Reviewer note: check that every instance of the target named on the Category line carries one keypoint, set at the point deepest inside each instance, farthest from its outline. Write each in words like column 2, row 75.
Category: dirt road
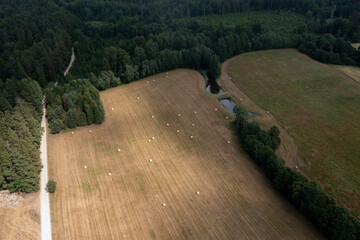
column 44, row 195
column 71, row 62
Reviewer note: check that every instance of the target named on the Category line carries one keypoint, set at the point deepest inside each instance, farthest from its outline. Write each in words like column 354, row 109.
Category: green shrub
column 51, row 186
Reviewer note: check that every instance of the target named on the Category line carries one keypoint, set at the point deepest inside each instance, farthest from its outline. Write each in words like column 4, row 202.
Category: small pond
column 212, row 86
column 230, row 104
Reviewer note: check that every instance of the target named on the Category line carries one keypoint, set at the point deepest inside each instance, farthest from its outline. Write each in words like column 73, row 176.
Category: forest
column 20, row 134
column 135, row 39
column 120, row 41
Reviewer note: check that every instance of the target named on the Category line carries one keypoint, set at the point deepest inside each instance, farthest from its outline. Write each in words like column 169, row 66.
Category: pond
column 230, row 104
column 212, row 86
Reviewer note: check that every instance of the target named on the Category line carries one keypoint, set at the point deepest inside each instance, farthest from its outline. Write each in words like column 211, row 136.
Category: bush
column 51, row 186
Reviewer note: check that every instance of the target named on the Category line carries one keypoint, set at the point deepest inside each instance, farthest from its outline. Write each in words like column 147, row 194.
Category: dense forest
column 120, row 41
column 135, row 39
column 76, row 103
column 20, row 134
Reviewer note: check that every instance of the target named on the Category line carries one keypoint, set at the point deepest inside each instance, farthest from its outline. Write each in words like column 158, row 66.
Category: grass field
column 22, row 221
column 235, row 200
column 351, row 71
column 318, row 106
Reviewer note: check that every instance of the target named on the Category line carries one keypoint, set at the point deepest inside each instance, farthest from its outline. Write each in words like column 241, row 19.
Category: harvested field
column 158, row 199
column 19, row 216
column 318, row 106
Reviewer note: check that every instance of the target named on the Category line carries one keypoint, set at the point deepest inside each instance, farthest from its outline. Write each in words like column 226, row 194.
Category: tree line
column 20, row 135
column 73, row 104
column 332, row 220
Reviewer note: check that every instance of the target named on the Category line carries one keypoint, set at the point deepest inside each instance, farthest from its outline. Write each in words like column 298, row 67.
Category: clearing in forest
column 235, row 200
column 318, row 106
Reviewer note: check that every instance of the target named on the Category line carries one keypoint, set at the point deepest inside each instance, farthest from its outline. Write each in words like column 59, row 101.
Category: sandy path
column 44, row 195
column 71, row 61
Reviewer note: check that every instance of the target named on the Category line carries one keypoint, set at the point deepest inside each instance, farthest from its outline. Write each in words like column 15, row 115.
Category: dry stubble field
column 235, row 201
column 22, row 221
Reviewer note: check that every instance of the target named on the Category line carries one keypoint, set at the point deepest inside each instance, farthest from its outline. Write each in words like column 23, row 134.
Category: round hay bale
column 150, row 160
column 119, row 150
column 90, row 131
column 147, row 81
column 195, row 112
column 197, row 193
column 164, row 204
column 112, row 109
column 152, row 138
column 230, row 78
column 228, row 141
column 109, row 173
column 296, row 167
column 85, row 167
column 138, row 98
column 167, row 124
column 167, row 73
column 215, row 109
column 153, row 80
column 149, row 140
column 152, row 116
column 241, row 99
column 226, row 117
column 177, row 130
column 191, row 137
column 267, row 112
column 72, row 132
column 179, row 114
column 193, row 124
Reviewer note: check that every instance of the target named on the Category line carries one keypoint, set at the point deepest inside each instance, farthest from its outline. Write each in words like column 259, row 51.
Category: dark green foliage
column 56, row 126
column 285, row 178
column 106, row 79
column 335, row 222
column 214, row 66
column 51, row 186
column 135, row 40
column 310, row 199
column 20, row 135
column 81, row 101
column 71, row 119
column 329, row 49
column 274, row 133
column 32, row 93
